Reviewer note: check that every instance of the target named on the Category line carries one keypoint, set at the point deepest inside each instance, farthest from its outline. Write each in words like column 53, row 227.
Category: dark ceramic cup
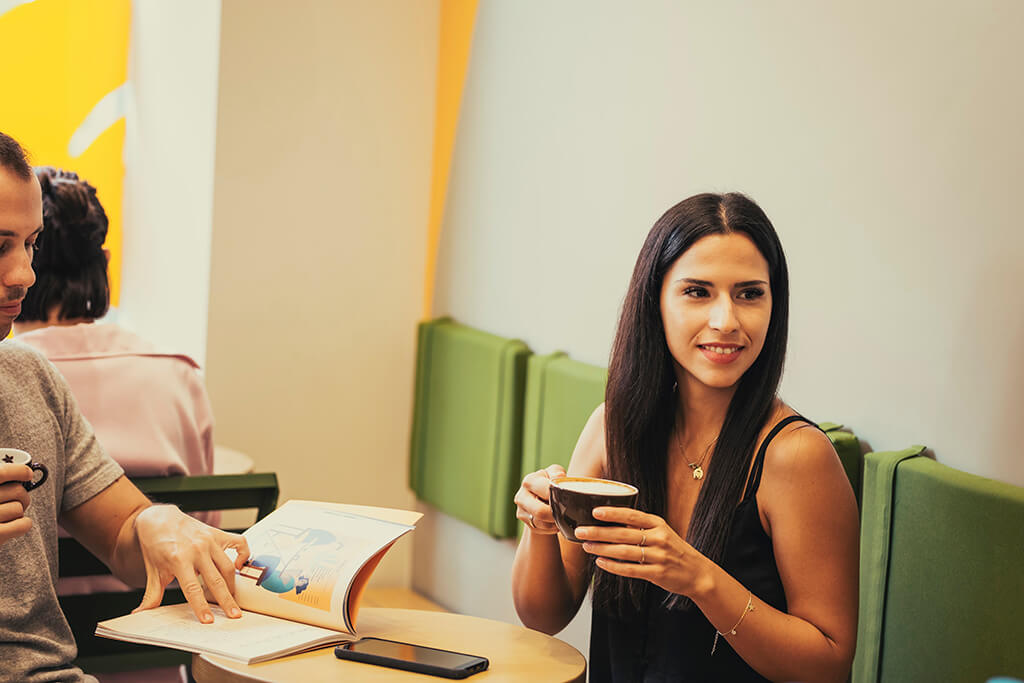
column 573, row 500
column 15, row 456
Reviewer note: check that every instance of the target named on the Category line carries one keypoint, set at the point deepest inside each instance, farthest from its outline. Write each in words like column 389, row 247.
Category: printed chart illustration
column 298, row 564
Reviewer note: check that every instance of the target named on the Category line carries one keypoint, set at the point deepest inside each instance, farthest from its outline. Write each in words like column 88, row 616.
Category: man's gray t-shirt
column 38, row 415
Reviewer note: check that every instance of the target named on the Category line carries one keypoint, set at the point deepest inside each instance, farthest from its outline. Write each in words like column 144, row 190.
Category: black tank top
column 657, row 645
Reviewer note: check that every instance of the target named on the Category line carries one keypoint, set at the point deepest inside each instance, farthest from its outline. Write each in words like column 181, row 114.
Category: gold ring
column 531, row 521
column 643, row 539
column 643, row 557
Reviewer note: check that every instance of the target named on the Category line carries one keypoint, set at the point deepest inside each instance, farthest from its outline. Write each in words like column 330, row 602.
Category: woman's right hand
column 13, row 502
column 532, row 500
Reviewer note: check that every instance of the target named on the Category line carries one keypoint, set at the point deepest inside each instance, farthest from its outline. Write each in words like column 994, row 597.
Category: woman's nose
column 723, row 316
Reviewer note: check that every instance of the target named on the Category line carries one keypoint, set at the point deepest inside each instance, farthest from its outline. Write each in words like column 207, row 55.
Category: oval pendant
column 698, row 473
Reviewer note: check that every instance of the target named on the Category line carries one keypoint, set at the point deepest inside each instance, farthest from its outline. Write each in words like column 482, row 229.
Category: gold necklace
column 696, row 467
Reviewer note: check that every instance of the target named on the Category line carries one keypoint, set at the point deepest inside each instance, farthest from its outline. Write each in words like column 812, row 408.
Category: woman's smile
column 721, row 354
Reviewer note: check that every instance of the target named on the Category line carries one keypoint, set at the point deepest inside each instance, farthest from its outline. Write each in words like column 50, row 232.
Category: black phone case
column 341, row 653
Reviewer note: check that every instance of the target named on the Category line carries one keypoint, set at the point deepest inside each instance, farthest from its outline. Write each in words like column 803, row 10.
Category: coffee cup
column 14, row 456
column 573, row 500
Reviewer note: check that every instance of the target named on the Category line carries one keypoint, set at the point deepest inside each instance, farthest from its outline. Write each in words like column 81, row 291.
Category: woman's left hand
column 644, row 547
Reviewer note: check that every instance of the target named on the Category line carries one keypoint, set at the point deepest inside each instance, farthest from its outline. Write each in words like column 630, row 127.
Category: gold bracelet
column 732, row 631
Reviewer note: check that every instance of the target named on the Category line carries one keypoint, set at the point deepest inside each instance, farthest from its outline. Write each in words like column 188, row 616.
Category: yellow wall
column 453, row 57
column 59, row 59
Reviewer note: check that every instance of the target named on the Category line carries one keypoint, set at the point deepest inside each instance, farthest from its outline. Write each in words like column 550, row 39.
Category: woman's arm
column 812, row 518
column 549, row 574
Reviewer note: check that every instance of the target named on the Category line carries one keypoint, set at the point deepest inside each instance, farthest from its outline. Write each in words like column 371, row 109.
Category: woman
column 740, row 561
column 149, row 409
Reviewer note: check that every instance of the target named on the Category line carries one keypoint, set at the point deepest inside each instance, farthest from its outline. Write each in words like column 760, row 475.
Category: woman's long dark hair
column 640, row 401
column 70, row 266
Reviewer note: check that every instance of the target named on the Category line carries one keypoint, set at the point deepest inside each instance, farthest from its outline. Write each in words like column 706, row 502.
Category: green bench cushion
column 942, row 573
column 847, row 447
column 561, row 394
column 465, row 450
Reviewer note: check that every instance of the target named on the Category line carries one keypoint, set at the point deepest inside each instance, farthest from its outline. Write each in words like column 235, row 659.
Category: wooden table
column 229, row 461
column 515, row 653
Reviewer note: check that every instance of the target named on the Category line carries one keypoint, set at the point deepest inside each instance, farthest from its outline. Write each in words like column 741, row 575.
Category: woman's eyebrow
column 706, row 283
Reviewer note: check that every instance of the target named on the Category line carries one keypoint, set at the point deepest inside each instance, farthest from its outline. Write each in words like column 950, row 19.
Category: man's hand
column 176, row 546
column 14, row 500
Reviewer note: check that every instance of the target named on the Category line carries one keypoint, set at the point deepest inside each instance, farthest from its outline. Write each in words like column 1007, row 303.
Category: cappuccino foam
column 598, row 488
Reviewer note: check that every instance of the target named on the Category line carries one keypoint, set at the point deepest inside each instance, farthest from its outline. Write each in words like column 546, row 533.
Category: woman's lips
column 720, row 355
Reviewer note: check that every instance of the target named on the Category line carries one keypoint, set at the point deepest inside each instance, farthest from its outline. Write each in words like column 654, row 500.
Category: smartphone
column 418, row 658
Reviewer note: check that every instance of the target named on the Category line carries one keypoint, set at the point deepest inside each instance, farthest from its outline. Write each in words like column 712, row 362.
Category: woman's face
column 716, row 304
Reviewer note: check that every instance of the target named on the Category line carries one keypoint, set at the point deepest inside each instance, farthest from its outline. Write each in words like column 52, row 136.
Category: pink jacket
column 149, row 409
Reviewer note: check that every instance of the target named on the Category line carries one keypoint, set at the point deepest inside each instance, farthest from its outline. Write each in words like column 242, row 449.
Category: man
column 86, row 491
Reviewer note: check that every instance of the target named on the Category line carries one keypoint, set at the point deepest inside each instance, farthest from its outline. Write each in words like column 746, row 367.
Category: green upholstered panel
column 953, row 589
column 847, row 446
column 876, row 516
column 466, row 445
column 561, row 394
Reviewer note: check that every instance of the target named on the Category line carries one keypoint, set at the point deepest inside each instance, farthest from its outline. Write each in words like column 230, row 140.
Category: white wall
column 883, row 139
column 169, row 156
column 324, row 141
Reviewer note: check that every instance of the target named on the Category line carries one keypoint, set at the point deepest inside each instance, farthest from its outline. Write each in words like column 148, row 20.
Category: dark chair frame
column 191, row 494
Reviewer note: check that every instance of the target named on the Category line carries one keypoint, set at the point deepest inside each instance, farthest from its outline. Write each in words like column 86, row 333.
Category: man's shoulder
column 21, row 365
column 17, row 356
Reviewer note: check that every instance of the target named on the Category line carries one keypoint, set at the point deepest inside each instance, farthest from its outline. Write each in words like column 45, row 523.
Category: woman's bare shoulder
column 590, row 455
column 801, row 455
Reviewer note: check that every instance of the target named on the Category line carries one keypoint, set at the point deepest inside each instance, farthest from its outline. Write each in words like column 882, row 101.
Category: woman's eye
column 752, row 293
column 698, row 292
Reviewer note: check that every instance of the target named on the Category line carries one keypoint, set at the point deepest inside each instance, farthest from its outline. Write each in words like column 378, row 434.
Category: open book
column 308, row 567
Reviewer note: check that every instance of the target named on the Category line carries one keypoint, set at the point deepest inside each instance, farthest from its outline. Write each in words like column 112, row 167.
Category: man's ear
column 106, row 253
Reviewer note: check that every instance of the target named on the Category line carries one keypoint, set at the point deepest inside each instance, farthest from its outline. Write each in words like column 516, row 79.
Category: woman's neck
column 702, row 410
column 54, row 320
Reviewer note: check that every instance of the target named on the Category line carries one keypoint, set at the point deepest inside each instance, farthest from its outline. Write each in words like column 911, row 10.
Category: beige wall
column 171, row 129
column 324, row 138
column 883, row 139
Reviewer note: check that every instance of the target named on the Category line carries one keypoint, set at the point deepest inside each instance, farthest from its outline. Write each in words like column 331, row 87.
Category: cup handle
column 38, row 467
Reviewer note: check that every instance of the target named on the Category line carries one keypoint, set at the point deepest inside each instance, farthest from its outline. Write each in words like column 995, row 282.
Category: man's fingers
column 14, row 491
column 241, row 546
column 15, row 529
column 9, row 473
column 218, row 586
column 12, row 510
column 226, row 569
column 193, row 591
column 154, row 593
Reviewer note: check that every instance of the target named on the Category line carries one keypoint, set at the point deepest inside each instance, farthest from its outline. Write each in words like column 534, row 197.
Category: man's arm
column 151, row 545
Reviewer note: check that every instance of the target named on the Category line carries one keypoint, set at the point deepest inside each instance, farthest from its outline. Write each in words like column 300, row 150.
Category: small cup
column 13, row 456
column 573, row 500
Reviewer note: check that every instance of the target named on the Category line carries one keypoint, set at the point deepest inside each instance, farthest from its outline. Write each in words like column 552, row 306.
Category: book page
column 253, row 636
column 304, row 556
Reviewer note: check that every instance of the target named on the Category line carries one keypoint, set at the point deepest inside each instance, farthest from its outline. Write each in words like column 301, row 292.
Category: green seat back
column 466, row 444
column 847, row 446
column 191, row 494
column 561, row 394
column 942, row 573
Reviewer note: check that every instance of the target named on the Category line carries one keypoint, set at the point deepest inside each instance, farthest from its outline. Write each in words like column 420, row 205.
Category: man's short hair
column 13, row 157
